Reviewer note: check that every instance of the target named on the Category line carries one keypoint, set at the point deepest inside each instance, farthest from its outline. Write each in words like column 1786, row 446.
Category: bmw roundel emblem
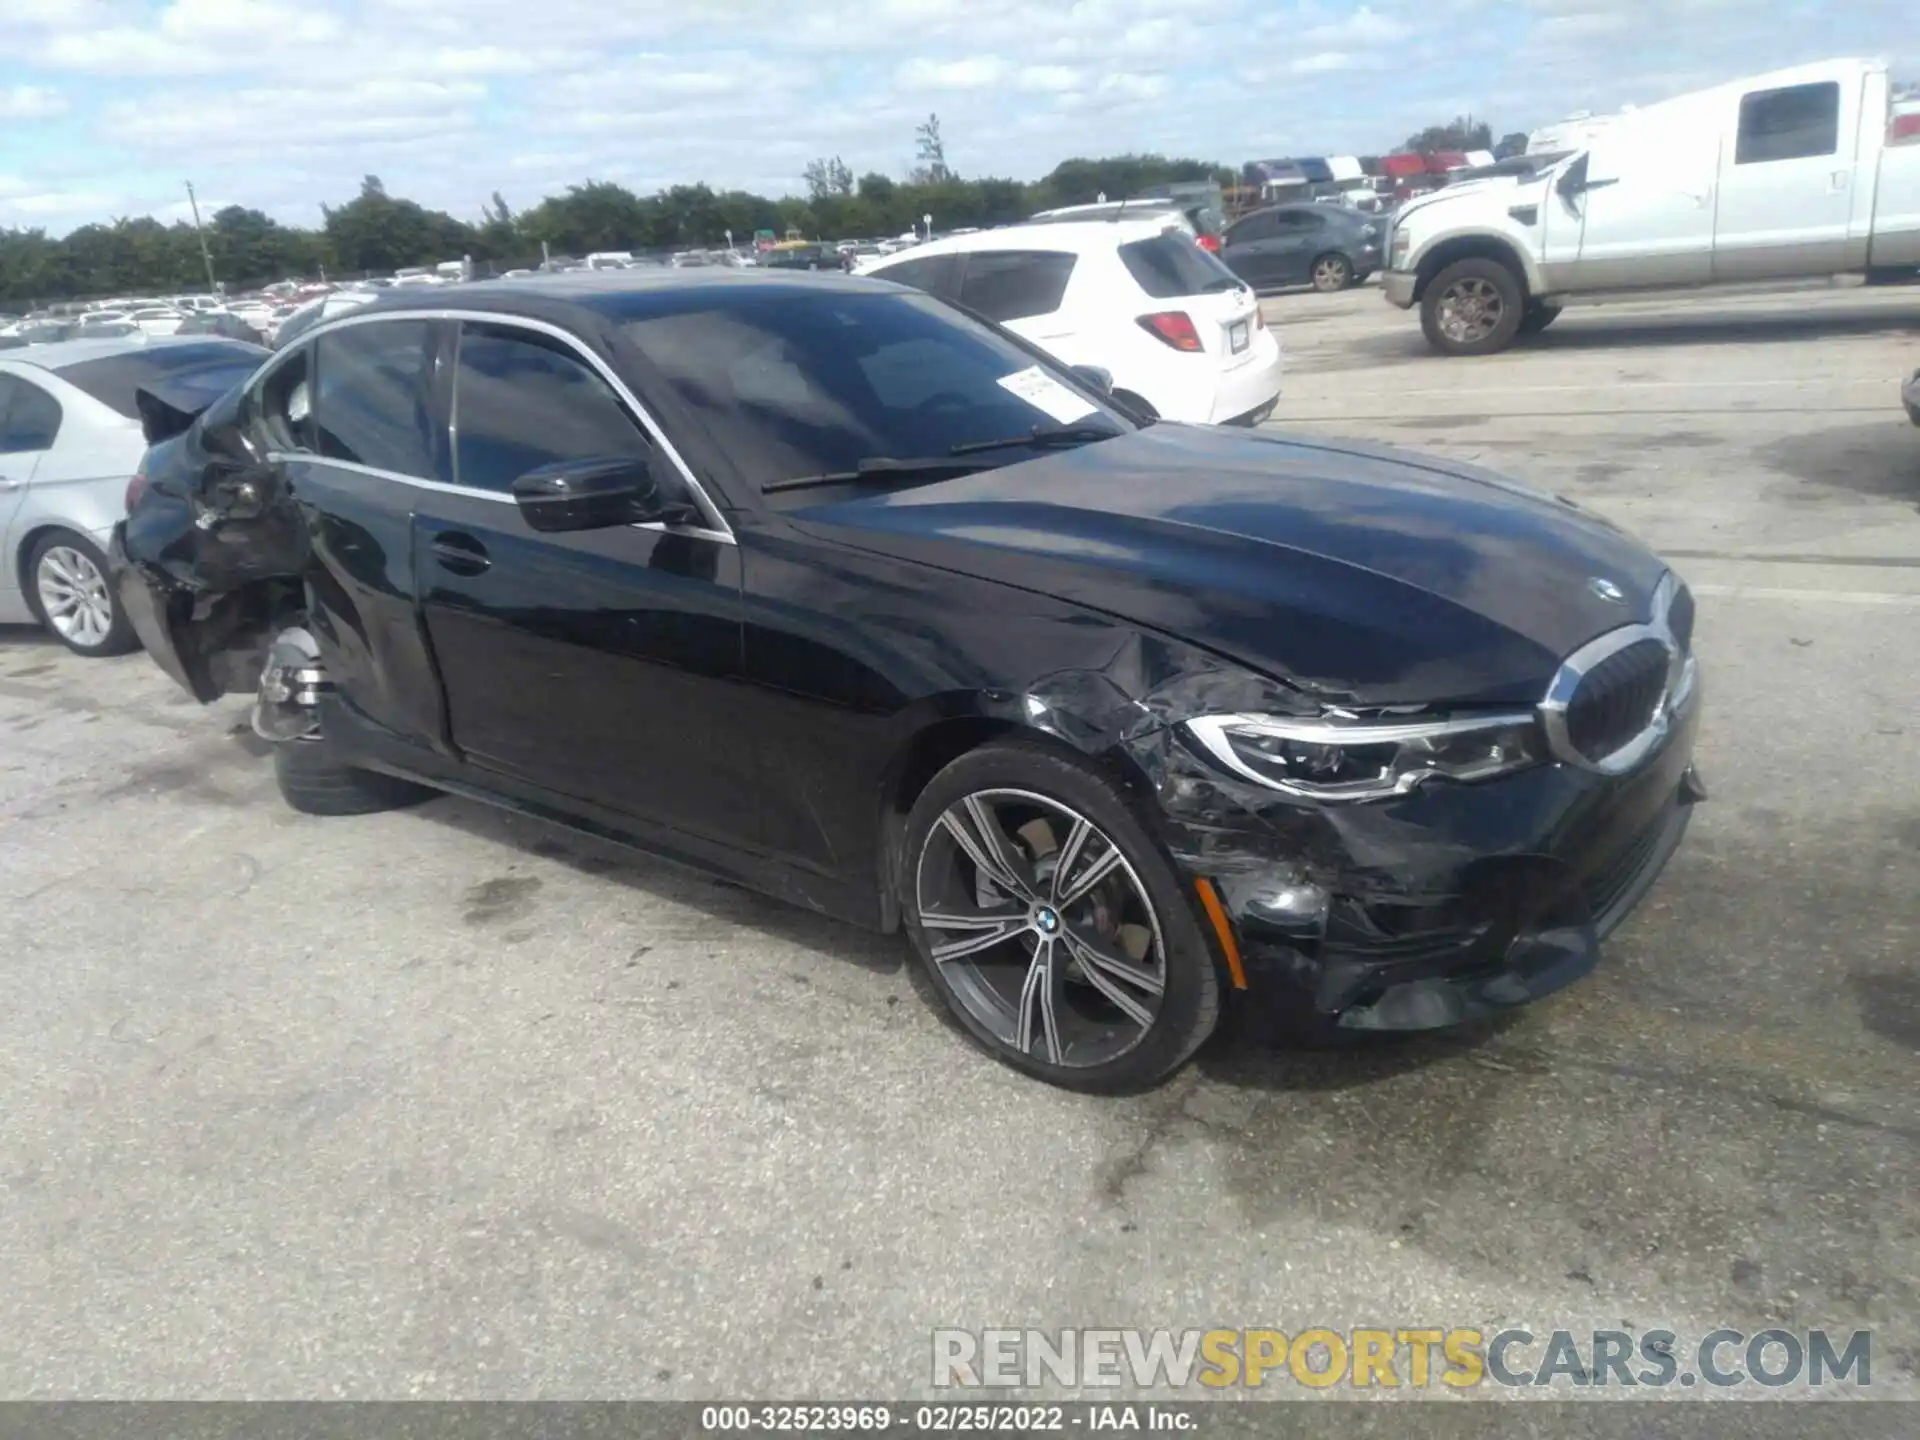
column 1607, row 590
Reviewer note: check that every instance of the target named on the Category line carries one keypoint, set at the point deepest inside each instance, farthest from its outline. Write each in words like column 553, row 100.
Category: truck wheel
column 1473, row 307
column 1536, row 317
column 313, row 782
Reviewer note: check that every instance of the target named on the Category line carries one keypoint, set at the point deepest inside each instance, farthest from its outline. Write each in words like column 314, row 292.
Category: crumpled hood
column 1358, row 572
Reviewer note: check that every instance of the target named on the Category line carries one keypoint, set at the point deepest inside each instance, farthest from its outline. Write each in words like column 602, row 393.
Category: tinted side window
column 1254, row 227
column 1788, row 124
column 1013, row 284
column 1295, row 221
column 931, row 273
column 29, row 417
column 1170, row 265
column 373, row 400
column 523, row 400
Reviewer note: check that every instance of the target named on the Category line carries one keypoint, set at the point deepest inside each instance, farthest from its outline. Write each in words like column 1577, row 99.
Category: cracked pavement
column 449, row 1103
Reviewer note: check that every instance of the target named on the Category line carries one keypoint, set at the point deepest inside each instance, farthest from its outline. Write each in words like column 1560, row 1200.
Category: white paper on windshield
column 1047, row 394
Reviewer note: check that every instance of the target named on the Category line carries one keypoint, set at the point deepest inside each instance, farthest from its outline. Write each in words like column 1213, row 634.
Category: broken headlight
column 1337, row 758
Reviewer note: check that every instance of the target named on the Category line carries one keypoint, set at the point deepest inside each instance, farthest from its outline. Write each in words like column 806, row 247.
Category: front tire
column 1331, row 273
column 67, row 587
column 315, row 782
column 1473, row 307
column 1051, row 923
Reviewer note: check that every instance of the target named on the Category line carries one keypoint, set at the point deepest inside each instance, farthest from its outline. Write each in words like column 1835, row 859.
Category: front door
column 1786, row 185
column 596, row 664
column 1646, row 207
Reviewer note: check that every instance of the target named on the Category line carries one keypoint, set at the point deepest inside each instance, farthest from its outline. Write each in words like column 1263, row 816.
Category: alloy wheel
column 1470, row 310
column 74, row 596
column 1040, row 927
column 1330, row 273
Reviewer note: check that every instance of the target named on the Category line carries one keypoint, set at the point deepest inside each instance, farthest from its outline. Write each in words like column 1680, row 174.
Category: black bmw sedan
column 826, row 587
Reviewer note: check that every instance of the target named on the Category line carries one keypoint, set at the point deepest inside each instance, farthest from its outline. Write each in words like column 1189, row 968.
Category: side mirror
column 594, row 494
column 1094, row 377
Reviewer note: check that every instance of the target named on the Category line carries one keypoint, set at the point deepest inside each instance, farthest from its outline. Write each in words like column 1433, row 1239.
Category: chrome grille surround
column 1681, row 688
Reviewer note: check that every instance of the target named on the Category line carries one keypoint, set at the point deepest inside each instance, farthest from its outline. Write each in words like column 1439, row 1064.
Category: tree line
column 376, row 233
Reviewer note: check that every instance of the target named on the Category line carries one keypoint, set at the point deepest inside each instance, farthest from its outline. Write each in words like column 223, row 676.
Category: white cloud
column 1365, row 26
column 1325, row 62
column 974, row 73
column 285, row 104
column 30, row 102
column 1054, row 78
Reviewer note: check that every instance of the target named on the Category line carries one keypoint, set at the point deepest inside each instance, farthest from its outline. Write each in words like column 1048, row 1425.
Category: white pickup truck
column 1805, row 172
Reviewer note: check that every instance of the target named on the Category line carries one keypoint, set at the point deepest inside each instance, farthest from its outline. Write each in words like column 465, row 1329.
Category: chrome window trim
column 1682, row 686
column 718, row 529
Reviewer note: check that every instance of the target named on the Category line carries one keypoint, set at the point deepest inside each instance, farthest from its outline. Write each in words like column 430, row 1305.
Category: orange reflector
column 1217, row 913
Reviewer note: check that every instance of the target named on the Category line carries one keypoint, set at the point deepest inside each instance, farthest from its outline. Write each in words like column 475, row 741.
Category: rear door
column 1252, row 247
column 1021, row 289
column 1302, row 235
column 1786, row 184
column 598, row 664
column 379, row 446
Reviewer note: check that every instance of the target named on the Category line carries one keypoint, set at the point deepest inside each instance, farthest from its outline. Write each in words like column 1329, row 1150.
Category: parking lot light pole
column 206, row 255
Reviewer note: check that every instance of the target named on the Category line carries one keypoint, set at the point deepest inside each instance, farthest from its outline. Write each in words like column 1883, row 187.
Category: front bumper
column 1397, row 286
column 1910, row 397
column 1449, row 904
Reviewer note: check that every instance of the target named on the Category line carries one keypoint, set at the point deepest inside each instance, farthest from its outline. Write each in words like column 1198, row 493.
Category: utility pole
column 205, row 254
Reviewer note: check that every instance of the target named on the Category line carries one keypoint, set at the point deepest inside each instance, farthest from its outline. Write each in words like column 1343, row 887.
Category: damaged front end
column 1399, row 869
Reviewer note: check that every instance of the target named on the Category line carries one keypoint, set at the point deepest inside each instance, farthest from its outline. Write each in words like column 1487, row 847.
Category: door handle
column 460, row 553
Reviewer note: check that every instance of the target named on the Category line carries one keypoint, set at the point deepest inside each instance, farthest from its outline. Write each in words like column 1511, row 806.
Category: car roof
column 1078, row 237
column 58, row 354
column 589, row 299
column 1096, row 209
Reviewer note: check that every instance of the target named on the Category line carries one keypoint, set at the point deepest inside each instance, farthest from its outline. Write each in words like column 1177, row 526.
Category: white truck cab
column 1804, row 172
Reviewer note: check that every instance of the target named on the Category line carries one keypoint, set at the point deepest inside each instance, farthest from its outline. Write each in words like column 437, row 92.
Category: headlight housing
column 1340, row 759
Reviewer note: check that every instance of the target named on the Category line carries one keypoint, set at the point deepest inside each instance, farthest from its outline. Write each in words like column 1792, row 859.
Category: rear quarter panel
column 1896, row 207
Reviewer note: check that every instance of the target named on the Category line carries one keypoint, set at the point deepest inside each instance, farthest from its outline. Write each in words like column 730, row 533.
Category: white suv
column 1176, row 329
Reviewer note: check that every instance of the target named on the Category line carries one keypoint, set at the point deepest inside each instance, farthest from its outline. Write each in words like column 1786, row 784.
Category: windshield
column 814, row 383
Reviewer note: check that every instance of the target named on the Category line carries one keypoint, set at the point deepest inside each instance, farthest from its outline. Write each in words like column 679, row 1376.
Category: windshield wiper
column 878, row 467
column 1042, row 436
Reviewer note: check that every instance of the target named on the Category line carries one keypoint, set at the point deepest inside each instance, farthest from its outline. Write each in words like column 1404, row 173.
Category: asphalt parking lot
column 446, row 1103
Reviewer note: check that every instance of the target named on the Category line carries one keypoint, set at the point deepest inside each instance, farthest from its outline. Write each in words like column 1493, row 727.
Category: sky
column 107, row 107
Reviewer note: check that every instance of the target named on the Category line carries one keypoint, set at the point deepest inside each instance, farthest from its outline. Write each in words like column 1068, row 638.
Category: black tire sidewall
column 1512, row 299
column 1190, row 1007
column 1537, row 317
column 120, row 637
column 315, row 781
